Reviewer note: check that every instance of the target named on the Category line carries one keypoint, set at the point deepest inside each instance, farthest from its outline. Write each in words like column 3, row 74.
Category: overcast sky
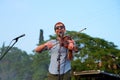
column 17, row 17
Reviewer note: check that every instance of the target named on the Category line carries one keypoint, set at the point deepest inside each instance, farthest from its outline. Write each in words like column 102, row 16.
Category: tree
column 92, row 52
column 40, row 62
column 16, row 65
column 41, row 37
column 40, row 66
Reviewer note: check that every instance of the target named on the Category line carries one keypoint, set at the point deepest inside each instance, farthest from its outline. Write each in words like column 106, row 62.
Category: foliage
column 40, row 66
column 93, row 51
column 93, row 54
column 15, row 65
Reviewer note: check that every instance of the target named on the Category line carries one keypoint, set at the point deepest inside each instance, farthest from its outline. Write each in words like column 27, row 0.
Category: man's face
column 60, row 29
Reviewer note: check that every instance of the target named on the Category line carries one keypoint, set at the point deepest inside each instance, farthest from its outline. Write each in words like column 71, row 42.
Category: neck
column 60, row 38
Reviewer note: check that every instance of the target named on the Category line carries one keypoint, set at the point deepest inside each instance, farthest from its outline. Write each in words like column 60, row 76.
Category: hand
column 49, row 45
column 71, row 44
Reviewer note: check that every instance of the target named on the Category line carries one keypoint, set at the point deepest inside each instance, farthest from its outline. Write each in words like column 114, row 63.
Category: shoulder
column 52, row 41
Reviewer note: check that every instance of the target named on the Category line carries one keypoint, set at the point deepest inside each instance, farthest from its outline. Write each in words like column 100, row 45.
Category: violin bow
column 82, row 30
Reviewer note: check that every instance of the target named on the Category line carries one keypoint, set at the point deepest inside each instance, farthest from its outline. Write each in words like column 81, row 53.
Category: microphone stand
column 58, row 59
column 8, row 48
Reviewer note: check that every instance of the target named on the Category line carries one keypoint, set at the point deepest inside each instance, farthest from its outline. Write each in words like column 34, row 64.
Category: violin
column 65, row 43
column 66, row 38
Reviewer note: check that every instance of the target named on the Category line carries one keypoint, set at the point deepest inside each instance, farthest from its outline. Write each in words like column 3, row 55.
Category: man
column 60, row 66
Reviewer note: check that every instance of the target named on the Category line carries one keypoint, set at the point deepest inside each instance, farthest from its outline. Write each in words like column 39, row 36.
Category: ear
column 64, row 30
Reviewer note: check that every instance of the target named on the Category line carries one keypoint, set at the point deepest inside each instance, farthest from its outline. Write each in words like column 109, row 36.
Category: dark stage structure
column 95, row 75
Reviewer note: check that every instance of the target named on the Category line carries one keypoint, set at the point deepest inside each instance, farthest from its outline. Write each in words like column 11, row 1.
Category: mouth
column 60, row 34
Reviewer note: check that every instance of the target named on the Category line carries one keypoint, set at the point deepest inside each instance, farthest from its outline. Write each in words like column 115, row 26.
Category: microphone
column 19, row 37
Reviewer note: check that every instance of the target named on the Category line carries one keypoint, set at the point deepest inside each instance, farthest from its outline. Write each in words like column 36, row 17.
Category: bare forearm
column 40, row 48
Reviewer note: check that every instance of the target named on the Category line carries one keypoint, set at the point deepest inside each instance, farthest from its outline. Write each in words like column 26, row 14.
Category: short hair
column 58, row 23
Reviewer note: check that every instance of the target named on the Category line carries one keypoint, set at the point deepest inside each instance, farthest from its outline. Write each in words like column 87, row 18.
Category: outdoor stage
column 95, row 75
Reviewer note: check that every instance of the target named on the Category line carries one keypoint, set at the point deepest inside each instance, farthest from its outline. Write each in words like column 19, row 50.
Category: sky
column 17, row 17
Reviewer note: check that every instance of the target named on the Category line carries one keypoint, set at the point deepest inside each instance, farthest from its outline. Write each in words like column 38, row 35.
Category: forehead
column 59, row 24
